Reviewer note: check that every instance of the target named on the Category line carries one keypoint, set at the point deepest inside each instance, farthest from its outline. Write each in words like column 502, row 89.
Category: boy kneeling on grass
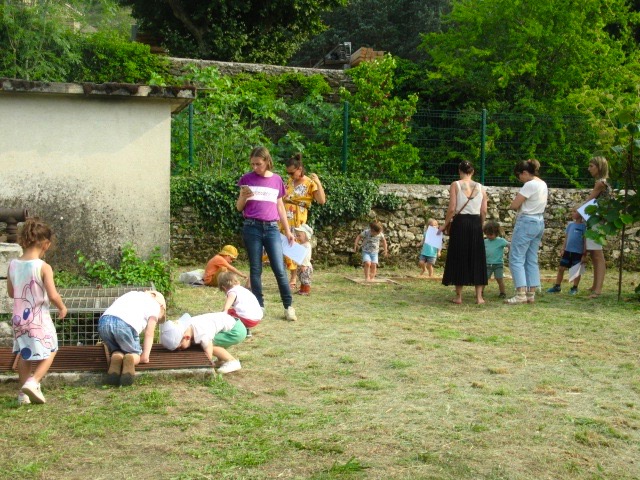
column 213, row 331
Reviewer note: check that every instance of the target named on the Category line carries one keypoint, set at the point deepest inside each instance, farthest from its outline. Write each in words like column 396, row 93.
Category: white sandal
column 516, row 299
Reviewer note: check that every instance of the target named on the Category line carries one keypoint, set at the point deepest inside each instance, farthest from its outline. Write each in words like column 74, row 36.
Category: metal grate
column 84, row 307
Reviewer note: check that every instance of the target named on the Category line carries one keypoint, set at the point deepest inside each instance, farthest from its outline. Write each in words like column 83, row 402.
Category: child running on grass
column 573, row 252
column 213, row 331
column 240, row 302
column 494, row 246
column 371, row 238
column 30, row 284
column 120, row 327
column 429, row 253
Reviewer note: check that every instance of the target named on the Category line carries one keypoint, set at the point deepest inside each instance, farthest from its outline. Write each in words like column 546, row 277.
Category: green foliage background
column 214, row 198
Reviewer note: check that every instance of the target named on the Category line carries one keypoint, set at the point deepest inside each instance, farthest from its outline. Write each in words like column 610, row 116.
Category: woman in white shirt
column 530, row 203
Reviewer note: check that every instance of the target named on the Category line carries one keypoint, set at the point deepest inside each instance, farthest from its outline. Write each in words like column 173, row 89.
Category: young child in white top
column 304, row 233
column 240, row 302
column 120, row 327
column 30, row 284
column 371, row 239
column 428, row 253
column 212, row 331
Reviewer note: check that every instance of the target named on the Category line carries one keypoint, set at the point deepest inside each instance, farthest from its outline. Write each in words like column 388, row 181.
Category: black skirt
column 466, row 259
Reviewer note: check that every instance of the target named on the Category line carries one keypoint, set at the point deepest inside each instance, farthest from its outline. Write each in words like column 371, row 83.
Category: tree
column 37, row 40
column 529, row 54
column 232, row 30
column 394, row 26
column 380, row 125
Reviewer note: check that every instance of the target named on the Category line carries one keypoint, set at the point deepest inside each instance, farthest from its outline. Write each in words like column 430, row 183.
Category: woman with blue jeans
column 530, row 203
column 260, row 201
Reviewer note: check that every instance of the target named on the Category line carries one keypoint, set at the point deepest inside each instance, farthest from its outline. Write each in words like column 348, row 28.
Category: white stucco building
column 92, row 160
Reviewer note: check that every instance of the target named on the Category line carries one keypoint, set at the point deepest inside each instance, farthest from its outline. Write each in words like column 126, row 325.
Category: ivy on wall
column 214, row 198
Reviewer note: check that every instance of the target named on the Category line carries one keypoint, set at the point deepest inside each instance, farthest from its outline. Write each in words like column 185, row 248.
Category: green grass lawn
column 374, row 381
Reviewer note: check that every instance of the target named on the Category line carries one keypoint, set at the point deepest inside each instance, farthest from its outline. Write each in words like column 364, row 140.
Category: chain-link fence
column 492, row 141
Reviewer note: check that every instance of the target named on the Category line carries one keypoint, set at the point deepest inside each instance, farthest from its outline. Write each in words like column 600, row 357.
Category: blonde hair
column 34, row 232
column 227, row 280
column 432, row 220
column 602, row 165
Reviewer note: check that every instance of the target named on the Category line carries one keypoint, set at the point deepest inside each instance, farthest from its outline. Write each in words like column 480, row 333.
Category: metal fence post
column 345, row 136
column 191, row 141
column 483, row 141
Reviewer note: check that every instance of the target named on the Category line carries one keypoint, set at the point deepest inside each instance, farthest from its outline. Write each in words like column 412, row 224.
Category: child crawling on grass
column 213, row 331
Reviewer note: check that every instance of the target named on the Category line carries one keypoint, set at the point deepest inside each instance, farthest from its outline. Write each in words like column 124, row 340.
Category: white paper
column 433, row 237
column 581, row 210
column 575, row 271
column 295, row 252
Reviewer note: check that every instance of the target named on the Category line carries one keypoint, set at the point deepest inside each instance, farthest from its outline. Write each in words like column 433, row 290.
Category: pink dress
column 34, row 333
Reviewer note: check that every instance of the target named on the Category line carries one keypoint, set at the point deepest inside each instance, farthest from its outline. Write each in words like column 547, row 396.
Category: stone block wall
column 192, row 244
column 8, row 251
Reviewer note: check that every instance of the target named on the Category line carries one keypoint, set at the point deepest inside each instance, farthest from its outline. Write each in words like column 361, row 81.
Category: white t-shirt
column 307, row 258
column 206, row 326
column 246, row 304
column 535, row 193
column 135, row 309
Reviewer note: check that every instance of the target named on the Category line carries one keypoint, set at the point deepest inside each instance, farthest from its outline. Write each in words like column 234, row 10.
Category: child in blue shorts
column 213, row 331
column 494, row 246
column 371, row 239
column 429, row 253
column 573, row 252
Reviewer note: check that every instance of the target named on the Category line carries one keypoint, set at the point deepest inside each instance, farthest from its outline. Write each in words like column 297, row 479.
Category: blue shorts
column 569, row 259
column 496, row 269
column 425, row 259
column 118, row 335
column 370, row 257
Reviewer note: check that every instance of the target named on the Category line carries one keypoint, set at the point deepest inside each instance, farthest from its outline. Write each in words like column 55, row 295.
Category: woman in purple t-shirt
column 260, row 202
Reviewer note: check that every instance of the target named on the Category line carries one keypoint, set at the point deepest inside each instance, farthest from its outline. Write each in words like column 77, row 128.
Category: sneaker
column 128, row 371
column 555, row 289
column 23, row 399
column 573, row 290
column 31, row 389
column 230, row 366
column 249, row 333
column 502, row 295
column 290, row 314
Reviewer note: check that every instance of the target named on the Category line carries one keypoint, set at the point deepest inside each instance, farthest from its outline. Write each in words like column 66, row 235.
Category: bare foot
column 456, row 300
column 480, row 301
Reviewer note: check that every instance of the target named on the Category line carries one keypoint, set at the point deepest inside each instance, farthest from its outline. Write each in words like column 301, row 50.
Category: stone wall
column 192, row 244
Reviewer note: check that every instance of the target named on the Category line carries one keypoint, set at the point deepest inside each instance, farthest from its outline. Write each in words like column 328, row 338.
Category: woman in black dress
column 466, row 261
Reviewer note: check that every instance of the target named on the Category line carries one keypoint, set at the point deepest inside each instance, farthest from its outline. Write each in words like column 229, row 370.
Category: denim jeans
column 258, row 235
column 523, row 252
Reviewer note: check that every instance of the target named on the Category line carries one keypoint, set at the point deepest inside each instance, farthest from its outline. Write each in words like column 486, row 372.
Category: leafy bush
column 108, row 57
column 132, row 270
column 286, row 113
column 380, row 125
column 37, row 44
